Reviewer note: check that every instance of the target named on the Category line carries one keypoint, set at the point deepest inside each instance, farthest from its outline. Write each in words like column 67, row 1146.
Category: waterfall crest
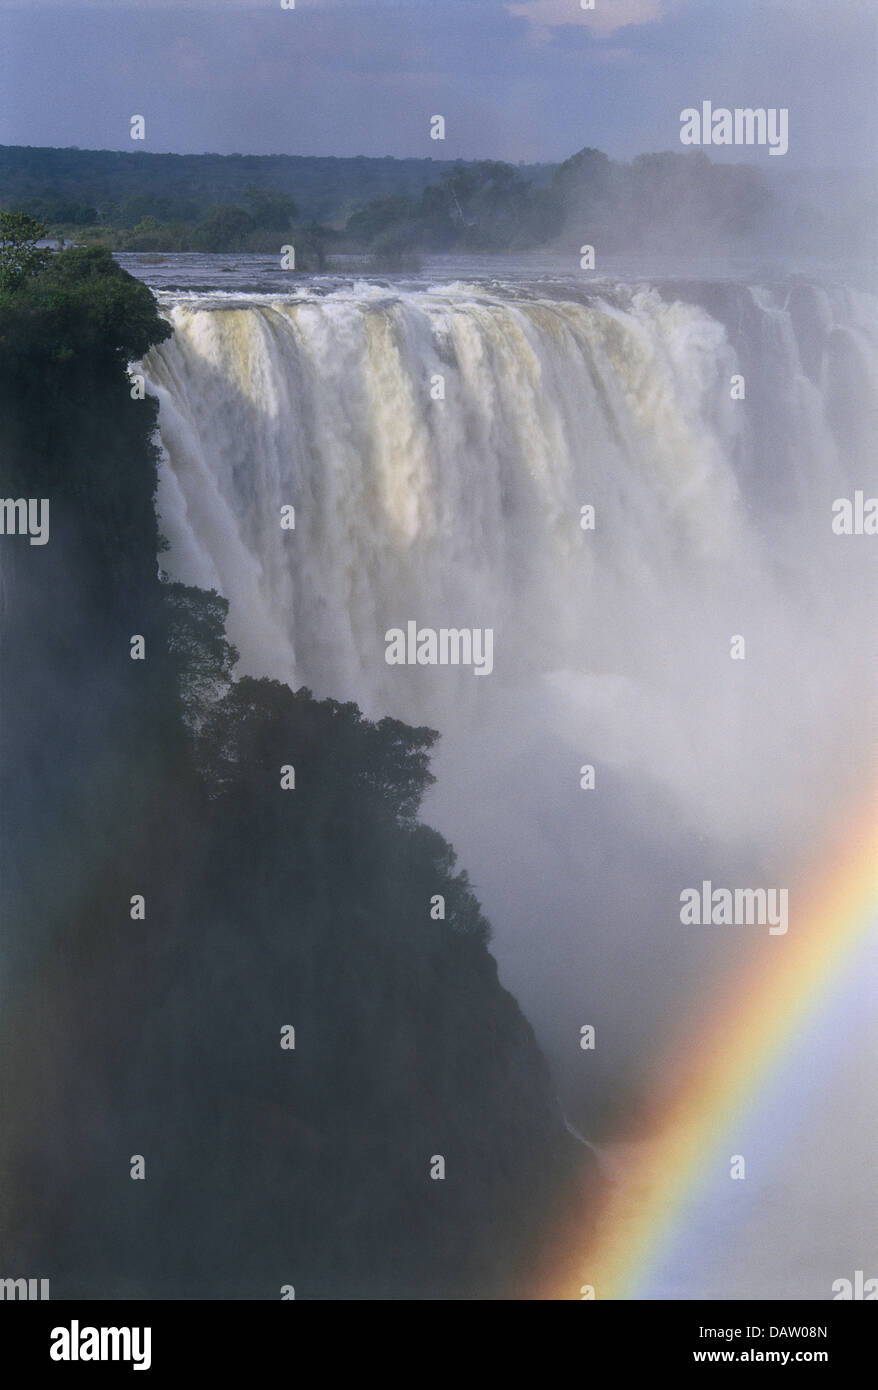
column 712, row 520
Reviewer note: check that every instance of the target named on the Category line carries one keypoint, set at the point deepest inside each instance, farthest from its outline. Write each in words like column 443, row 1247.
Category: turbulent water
column 612, row 646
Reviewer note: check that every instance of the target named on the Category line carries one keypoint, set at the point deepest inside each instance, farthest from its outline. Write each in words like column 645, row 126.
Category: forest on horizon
column 395, row 210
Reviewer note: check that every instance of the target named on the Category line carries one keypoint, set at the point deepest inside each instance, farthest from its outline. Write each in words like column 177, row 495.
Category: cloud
column 606, row 17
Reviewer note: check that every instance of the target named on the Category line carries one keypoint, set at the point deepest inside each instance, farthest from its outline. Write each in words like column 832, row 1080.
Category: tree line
column 393, row 211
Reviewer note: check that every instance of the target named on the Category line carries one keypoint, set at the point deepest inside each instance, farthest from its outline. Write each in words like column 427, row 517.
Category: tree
column 75, row 307
column 225, row 229
column 379, row 215
column 201, row 658
column 20, row 257
column 270, row 211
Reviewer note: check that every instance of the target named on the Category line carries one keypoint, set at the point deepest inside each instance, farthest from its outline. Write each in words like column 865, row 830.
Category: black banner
column 656, row 1337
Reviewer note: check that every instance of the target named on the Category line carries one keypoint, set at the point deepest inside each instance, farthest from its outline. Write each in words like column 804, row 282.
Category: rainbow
column 763, row 1015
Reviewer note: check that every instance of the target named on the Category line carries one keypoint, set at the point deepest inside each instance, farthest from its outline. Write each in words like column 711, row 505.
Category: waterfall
column 438, row 444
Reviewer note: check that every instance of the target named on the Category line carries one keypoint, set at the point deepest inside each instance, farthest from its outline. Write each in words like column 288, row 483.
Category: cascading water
column 438, row 445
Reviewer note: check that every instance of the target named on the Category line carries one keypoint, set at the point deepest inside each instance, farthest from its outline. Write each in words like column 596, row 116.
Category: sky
column 520, row 80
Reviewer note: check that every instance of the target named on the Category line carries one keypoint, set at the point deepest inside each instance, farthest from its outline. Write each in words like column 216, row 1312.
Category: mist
column 612, row 646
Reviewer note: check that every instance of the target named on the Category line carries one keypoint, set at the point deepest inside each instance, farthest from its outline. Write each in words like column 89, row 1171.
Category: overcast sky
column 523, row 80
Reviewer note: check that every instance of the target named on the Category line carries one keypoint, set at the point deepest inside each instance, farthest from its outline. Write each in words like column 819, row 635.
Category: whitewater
column 439, row 441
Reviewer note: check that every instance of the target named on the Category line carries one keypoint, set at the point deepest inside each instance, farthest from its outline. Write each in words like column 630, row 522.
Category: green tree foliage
column 322, row 186
column 392, row 210
column 20, row 257
column 225, row 229
column 377, row 216
column 82, row 307
column 485, row 206
column 268, row 211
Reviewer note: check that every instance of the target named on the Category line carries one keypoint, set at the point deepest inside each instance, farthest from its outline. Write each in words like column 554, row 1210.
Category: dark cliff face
column 265, row 909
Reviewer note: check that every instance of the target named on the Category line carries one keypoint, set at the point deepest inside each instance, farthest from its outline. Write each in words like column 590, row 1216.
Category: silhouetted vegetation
column 264, row 907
